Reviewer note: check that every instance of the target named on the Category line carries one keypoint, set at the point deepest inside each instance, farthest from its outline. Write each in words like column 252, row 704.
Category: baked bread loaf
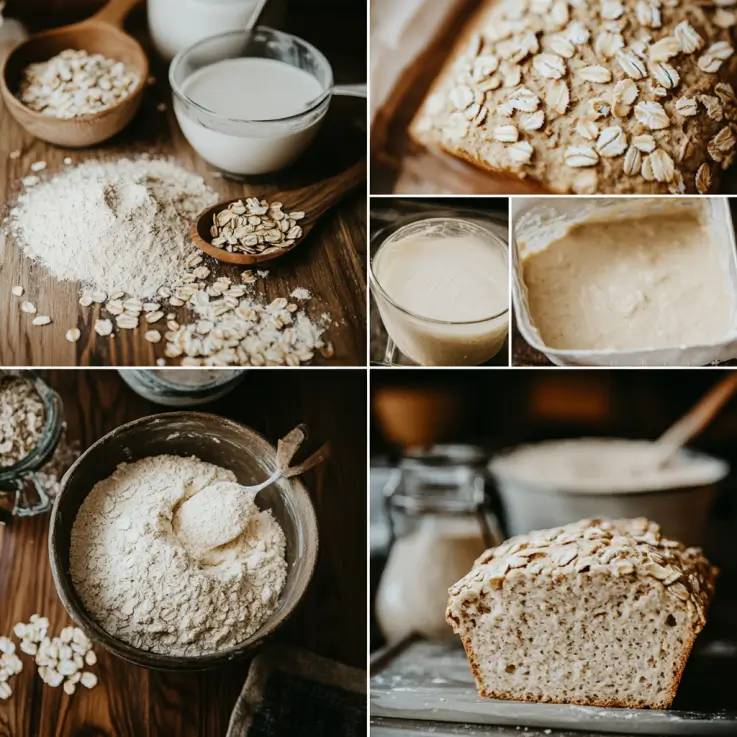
column 595, row 613
column 607, row 96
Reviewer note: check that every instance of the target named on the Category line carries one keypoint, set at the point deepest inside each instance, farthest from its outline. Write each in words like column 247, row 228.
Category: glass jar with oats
column 31, row 427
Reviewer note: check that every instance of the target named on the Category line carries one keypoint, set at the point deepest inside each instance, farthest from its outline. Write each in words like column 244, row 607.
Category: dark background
column 50, row 12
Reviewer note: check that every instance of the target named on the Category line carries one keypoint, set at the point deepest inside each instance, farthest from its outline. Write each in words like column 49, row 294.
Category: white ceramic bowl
column 681, row 510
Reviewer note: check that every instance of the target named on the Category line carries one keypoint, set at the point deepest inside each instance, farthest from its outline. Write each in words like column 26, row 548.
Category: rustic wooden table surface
column 330, row 263
column 331, row 621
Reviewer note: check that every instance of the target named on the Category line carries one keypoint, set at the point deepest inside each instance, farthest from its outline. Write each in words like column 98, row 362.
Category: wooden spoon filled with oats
column 253, row 231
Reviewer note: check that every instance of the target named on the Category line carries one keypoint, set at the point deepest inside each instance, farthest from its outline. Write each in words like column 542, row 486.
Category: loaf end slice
column 597, row 613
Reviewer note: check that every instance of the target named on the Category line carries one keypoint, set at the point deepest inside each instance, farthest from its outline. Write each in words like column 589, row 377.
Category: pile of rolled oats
column 255, row 227
column 75, row 83
column 575, row 94
column 60, row 660
column 231, row 328
column 22, row 418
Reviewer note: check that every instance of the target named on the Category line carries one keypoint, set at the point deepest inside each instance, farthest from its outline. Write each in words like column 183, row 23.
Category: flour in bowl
column 139, row 582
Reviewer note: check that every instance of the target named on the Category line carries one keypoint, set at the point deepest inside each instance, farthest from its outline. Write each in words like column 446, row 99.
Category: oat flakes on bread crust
column 608, row 96
column 600, row 613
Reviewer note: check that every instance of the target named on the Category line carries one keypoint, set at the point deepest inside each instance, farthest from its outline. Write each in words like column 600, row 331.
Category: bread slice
column 601, row 613
column 610, row 97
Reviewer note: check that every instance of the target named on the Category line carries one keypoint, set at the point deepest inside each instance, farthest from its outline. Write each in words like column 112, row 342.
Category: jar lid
column 445, row 479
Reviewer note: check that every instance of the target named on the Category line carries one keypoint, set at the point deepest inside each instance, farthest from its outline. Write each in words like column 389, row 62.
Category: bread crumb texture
column 587, row 96
column 601, row 613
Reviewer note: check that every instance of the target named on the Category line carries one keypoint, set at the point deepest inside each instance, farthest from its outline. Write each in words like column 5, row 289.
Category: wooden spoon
column 695, row 420
column 100, row 34
column 314, row 200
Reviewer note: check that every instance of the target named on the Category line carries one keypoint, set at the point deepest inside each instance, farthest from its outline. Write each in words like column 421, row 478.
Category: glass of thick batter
column 442, row 288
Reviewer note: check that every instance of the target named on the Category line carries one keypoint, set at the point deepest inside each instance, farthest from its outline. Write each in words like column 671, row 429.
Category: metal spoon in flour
column 217, row 515
column 220, row 513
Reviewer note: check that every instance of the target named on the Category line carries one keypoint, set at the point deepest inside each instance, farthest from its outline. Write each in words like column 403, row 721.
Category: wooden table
column 331, row 621
column 330, row 263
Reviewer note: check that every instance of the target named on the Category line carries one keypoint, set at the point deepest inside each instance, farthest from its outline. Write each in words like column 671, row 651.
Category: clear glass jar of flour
column 177, row 24
column 440, row 525
column 182, row 387
column 22, row 493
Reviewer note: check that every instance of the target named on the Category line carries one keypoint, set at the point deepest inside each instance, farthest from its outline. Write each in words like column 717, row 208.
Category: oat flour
column 139, row 582
column 113, row 226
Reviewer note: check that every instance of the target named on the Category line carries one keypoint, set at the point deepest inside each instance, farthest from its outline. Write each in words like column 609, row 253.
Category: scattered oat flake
column 301, row 294
column 17, row 291
column 28, row 307
column 31, row 181
column 38, row 166
column 14, row 155
column 103, row 327
column 73, row 335
column 42, row 320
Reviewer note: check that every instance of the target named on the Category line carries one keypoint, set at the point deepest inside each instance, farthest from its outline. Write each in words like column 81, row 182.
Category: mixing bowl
column 212, row 439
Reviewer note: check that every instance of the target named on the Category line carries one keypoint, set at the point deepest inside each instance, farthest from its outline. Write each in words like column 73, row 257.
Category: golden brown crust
column 688, row 155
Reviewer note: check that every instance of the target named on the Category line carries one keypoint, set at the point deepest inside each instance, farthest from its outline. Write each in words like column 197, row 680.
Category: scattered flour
column 113, row 226
column 139, row 582
column 301, row 294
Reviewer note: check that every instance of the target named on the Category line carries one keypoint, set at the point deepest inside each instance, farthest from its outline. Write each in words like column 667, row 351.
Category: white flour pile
column 139, row 582
column 113, row 226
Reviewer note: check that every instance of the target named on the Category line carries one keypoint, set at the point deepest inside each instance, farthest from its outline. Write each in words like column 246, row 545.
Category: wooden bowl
column 215, row 440
column 94, row 36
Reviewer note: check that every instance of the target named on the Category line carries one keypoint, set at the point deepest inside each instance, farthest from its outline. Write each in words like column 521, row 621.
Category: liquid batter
column 454, row 279
column 637, row 282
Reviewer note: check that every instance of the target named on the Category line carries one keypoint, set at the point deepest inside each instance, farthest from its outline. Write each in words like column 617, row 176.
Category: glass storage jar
column 178, row 24
column 176, row 387
column 439, row 524
column 21, row 491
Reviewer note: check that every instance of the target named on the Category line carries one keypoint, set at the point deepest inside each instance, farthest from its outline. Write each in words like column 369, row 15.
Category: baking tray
column 555, row 214
column 432, row 682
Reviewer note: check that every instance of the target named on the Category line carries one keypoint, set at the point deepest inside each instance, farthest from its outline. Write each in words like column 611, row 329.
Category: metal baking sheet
column 432, row 682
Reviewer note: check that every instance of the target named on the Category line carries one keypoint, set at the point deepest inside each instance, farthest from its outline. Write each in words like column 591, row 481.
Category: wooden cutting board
column 433, row 682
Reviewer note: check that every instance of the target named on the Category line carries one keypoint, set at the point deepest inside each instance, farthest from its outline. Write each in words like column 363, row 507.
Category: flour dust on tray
column 145, row 586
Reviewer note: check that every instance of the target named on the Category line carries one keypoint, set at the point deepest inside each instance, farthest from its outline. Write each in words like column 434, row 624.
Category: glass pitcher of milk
column 177, row 24
column 440, row 525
